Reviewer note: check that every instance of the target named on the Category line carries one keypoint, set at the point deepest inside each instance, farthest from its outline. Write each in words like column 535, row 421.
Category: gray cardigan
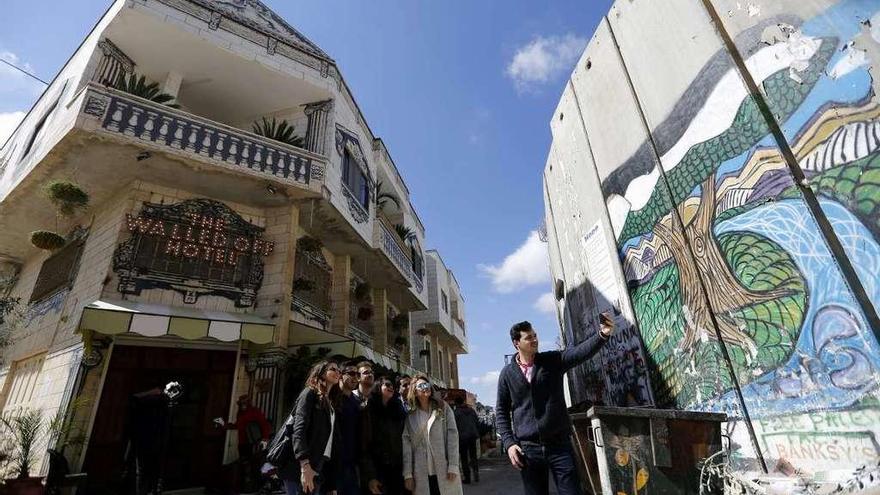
column 536, row 411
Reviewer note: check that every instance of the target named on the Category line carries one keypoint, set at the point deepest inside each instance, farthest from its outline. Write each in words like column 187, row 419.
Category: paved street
column 497, row 477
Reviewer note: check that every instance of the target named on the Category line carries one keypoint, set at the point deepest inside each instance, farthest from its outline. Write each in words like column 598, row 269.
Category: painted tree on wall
column 748, row 314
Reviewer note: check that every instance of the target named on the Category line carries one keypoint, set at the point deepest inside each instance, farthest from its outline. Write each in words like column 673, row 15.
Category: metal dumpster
column 634, row 451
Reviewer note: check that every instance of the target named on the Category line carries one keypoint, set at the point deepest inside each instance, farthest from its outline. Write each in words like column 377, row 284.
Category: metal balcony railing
column 174, row 130
column 360, row 336
column 391, row 247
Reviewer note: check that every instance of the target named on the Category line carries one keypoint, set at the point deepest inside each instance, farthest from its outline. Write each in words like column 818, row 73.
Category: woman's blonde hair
column 414, row 402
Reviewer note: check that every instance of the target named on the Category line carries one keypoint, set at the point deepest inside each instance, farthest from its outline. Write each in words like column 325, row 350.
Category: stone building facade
column 209, row 254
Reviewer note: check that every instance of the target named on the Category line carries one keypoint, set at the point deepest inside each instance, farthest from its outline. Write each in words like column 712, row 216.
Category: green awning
column 155, row 320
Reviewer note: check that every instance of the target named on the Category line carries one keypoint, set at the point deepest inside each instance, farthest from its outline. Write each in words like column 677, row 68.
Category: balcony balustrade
column 176, row 131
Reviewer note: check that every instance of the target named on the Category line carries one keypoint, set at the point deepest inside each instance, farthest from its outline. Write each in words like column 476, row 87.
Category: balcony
column 360, row 336
column 459, row 334
column 392, row 246
column 175, row 132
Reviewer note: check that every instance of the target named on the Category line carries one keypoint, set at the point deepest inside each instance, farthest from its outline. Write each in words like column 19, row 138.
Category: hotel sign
column 197, row 247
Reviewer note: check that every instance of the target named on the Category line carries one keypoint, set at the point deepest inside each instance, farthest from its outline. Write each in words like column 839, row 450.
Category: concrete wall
column 732, row 166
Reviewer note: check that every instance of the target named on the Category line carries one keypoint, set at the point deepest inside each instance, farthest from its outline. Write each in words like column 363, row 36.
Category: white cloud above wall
column 8, row 122
column 544, row 59
column 528, row 265
column 546, row 303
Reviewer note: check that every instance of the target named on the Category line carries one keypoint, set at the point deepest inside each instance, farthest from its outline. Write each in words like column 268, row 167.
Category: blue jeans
column 541, row 461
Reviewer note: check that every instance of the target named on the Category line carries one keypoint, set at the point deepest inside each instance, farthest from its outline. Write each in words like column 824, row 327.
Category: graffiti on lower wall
column 731, row 279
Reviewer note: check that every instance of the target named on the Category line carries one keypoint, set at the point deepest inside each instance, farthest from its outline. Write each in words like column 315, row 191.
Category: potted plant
column 67, row 196
column 400, row 322
column 48, row 240
column 400, row 341
column 278, row 131
column 308, row 244
column 362, row 292
column 365, row 313
column 138, row 86
column 405, row 233
column 26, row 432
column 303, row 285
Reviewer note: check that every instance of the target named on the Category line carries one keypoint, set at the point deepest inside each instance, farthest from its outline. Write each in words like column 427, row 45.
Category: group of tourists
column 352, row 433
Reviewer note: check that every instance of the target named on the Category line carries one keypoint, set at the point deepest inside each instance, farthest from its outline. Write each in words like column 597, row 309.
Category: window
column 353, row 178
column 444, row 301
column 442, row 364
column 21, row 383
column 58, row 271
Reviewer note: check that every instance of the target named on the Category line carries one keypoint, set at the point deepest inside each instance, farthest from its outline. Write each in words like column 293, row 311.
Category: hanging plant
column 278, row 131
column 400, row 322
column 400, row 341
column 303, row 285
column 50, row 241
column 66, row 196
column 309, row 244
column 362, row 292
column 365, row 313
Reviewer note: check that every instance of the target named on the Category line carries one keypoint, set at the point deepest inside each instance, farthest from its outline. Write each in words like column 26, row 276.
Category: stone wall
column 732, row 166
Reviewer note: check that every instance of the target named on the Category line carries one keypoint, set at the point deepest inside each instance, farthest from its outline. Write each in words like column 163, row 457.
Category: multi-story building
column 211, row 250
column 439, row 331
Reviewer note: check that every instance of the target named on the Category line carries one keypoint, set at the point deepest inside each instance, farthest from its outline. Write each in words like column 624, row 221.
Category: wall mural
column 725, row 225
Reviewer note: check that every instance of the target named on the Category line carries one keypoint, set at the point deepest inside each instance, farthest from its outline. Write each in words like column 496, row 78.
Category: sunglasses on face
column 423, row 387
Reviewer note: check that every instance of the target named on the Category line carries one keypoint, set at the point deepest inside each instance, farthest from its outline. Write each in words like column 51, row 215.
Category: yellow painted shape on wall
column 641, row 478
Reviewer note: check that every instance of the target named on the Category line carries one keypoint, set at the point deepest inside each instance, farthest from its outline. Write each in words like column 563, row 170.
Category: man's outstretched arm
column 576, row 355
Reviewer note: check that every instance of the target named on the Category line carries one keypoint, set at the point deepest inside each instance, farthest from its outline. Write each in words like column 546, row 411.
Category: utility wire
column 23, row 71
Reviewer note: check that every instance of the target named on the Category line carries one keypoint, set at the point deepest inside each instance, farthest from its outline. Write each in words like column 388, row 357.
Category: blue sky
column 460, row 91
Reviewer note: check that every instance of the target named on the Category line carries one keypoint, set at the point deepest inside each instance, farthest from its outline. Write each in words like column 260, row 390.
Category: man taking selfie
column 531, row 415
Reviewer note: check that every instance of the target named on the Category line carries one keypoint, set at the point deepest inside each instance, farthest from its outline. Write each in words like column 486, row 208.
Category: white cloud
column 528, row 265
column 544, row 59
column 8, row 123
column 546, row 304
column 12, row 79
column 489, row 379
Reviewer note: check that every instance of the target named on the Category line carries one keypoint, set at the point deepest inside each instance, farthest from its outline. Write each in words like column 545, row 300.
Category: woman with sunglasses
column 314, row 436
column 383, row 463
column 430, row 444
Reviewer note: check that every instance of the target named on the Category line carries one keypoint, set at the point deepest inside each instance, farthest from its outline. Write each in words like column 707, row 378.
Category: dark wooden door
column 194, row 452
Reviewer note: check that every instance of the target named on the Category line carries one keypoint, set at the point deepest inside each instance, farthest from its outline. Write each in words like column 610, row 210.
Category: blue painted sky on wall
column 461, row 92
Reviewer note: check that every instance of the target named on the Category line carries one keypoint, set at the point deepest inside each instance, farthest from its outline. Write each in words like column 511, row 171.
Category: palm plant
column 138, row 86
column 27, row 430
column 405, row 233
column 278, row 131
column 382, row 198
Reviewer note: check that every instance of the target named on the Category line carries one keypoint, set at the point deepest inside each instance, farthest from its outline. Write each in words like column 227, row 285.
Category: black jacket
column 383, row 435
column 310, row 430
column 536, row 411
column 468, row 423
